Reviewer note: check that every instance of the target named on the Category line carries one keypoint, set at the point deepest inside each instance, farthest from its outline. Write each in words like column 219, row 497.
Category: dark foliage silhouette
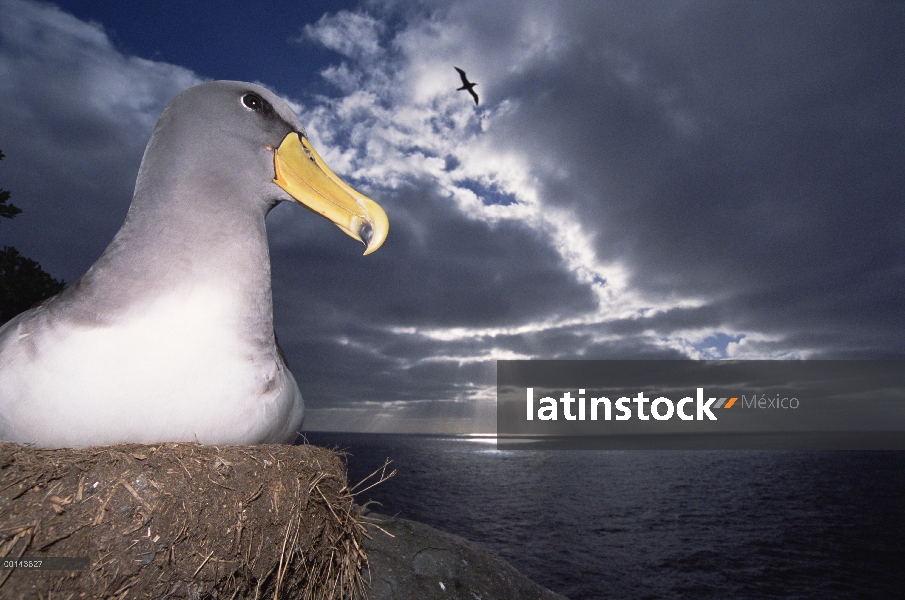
column 23, row 283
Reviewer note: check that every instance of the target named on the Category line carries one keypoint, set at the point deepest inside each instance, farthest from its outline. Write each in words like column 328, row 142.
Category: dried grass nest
column 181, row 521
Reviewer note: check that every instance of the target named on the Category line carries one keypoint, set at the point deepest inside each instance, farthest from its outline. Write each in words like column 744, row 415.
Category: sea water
column 656, row 524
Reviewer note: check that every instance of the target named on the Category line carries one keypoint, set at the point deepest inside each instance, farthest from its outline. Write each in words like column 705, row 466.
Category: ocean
column 656, row 524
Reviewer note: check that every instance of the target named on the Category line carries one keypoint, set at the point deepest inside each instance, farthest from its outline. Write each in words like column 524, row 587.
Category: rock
column 423, row 563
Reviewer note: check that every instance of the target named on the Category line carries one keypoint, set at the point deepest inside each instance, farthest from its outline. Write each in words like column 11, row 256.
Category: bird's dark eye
column 254, row 102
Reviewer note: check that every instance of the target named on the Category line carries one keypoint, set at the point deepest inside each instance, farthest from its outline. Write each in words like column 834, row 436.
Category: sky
column 653, row 180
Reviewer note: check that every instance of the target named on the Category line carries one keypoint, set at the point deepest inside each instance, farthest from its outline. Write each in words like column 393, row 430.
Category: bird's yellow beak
column 307, row 178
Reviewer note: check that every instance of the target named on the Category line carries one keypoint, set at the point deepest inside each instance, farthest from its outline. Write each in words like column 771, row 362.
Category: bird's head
column 241, row 140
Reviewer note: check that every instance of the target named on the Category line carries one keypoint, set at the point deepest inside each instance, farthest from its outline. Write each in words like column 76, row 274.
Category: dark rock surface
column 423, row 563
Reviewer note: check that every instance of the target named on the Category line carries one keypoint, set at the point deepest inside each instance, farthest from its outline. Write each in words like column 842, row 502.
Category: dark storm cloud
column 738, row 161
column 750, row 154
column 461, row 273
column 336, row 310
column 75, row 117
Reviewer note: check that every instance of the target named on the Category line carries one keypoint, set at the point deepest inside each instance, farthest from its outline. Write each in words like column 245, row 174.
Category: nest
column 180, row 521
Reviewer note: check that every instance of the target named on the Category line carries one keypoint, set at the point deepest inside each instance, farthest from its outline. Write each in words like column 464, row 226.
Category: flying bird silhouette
column 467, row 85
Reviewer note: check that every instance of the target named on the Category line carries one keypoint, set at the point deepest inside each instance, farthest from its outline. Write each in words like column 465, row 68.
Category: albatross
column 169, row 336
column 467, row 85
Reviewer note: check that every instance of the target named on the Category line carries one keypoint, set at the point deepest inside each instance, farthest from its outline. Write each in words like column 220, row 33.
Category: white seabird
column 169, row 336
